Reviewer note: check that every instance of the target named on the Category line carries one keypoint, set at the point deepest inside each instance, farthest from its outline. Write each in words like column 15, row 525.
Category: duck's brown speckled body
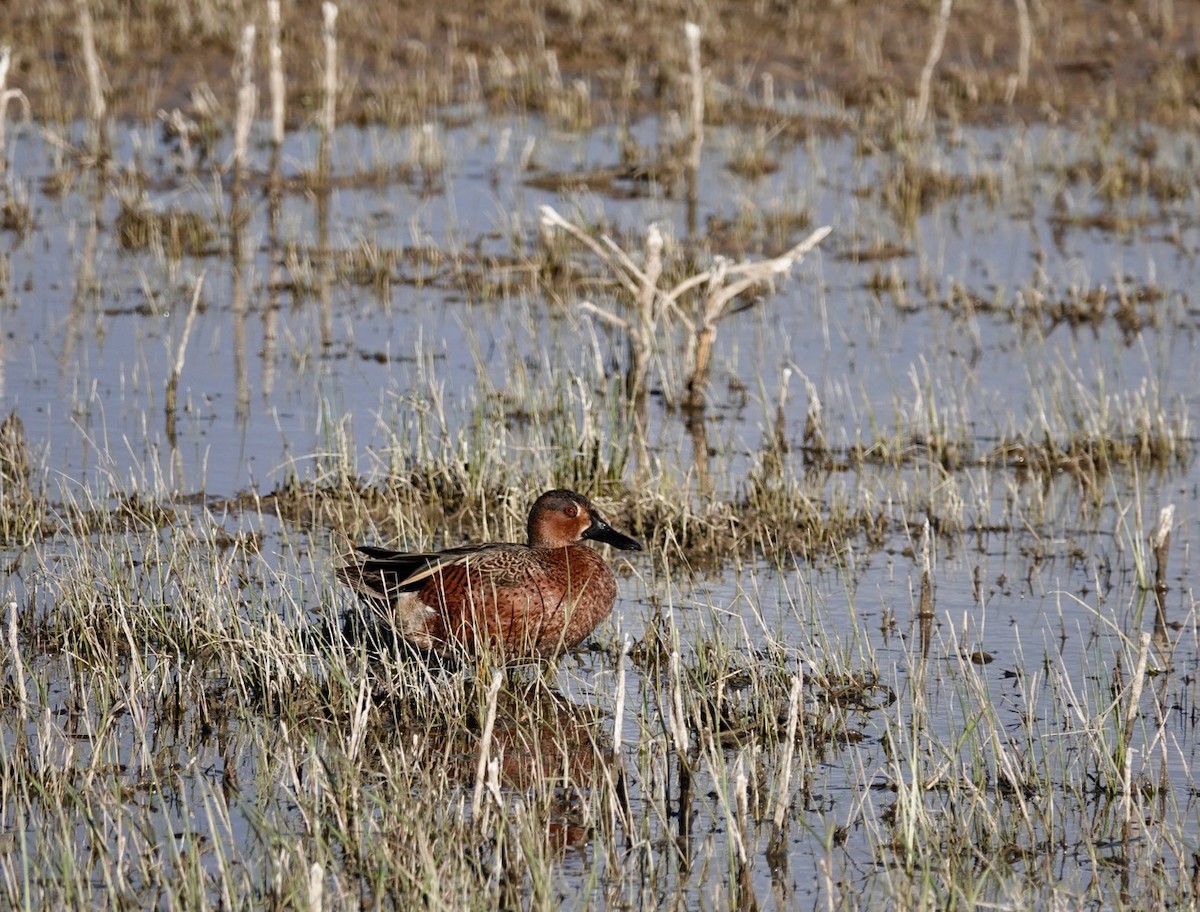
column 532, row 600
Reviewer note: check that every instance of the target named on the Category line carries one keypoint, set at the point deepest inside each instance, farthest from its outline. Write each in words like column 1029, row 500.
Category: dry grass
column 565, row 58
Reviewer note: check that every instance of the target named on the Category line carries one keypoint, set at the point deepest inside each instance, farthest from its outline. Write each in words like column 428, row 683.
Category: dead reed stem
column 726, row 282
column 485, row 744
column 925, row 605
column 676, row 720
column 247, row 105
column 1019, row 81
column 324, row 172
column 95, row 78
column 789, row 750
column 691, row 32
column 779, row 439
column 642, row 285
column 1160, row 541
column 1131, row 715
column 316, row 887
column 741, row 810
column 619, row 709
column 920, row 110
column 181, row 356
column 275, row 79
column 8, row 95
column 14, row 652
column 329, row 92
column 814, row 443
column 617, row 804
column 277, row 89
column 247, row 101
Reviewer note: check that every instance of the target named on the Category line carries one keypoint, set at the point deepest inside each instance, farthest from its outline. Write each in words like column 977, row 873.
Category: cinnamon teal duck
column 532, row 600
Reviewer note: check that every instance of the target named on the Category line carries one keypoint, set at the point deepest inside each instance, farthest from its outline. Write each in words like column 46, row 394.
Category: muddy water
column 957, row 334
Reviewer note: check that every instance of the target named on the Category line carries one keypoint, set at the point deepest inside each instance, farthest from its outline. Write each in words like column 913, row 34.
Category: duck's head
column 559, row 518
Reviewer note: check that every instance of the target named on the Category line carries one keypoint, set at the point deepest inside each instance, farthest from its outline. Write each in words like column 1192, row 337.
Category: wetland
column 873, row 324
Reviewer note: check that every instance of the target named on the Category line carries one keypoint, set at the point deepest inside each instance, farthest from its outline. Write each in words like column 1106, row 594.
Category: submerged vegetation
column 878, row 334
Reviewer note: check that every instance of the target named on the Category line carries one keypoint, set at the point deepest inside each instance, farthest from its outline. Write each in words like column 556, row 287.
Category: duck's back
column 513, row 598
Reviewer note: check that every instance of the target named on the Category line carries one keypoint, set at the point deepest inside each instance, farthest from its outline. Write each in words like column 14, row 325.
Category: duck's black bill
column 601, row 531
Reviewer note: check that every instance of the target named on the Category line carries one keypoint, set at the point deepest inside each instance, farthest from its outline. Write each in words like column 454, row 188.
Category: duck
column 522, row 601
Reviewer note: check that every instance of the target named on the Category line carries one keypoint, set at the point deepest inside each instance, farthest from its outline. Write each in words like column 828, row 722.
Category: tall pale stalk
column 1020, row 80
column 247, row 101
column 275, row 79
column 324, row 170
column 329, row 11
column 941, row 24
column 95, row 78
column 8, row 95
column 691, row 32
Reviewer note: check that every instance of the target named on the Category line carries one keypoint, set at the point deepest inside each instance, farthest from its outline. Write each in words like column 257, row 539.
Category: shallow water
column 1040, row 575
column 86, row 369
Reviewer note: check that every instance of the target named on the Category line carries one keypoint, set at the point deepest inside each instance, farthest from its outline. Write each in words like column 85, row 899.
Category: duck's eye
column 571, row 510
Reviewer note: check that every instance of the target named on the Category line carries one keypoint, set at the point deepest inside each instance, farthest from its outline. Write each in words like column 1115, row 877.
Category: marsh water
column 1014, row 311
column 87, row 346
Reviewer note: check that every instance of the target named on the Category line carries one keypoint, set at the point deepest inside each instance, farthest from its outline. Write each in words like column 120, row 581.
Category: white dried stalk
column 91, row 62
column 1025, row 45
column 1160, row 540
column 619, row 711
column 751, row 274
column 358, row 722
column 741, row 803
column 1020, row 79
column 1131, row 715
column 485, row 745
column 935, row 53
column 329, row 35
column 247, row 99
column 814, row 431
column 1162, row 532
column 316, row 887
column 789, row 751
column 14, row 650
column 8, row 95
column 275, row 80
column 675, row 716
column 612, row 256
column 181, row 351
column 691, row 32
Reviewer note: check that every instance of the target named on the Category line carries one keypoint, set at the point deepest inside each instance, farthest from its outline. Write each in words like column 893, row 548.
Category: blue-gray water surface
column 945, row 338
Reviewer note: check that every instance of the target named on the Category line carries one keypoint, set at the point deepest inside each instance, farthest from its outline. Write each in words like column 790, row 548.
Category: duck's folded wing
column 388, row 573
